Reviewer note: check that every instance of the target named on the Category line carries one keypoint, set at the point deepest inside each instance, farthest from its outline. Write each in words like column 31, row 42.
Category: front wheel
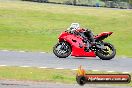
column 107, row 53
column 62, row 49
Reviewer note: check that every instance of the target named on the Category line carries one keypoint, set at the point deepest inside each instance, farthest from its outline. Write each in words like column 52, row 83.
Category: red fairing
column 103, row 34
column 76, row 44
column 62, row 35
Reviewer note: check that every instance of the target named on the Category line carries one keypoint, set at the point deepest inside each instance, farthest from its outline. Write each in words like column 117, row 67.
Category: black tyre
column 62, row 49
column 107, row 53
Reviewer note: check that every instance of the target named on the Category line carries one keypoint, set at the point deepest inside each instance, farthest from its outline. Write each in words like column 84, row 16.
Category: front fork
column 64, row 46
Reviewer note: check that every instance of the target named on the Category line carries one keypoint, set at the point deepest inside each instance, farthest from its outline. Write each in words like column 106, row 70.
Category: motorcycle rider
column 86, row 34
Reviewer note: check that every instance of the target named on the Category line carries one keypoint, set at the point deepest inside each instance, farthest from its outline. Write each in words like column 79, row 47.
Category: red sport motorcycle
column 72, row 44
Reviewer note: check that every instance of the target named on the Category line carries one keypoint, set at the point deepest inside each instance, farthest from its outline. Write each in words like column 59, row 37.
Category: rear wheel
column 62, row 49
column 107, row 53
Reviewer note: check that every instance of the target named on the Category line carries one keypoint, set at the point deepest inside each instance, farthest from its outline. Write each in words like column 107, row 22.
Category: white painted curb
column 60, row 68
column 19, row 51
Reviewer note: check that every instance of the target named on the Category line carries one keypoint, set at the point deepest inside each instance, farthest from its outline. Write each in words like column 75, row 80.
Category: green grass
column 35, row 26
column 36, row 74
column 45, row 75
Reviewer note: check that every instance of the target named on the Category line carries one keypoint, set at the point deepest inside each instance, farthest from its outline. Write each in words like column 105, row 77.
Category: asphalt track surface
column 41, row 59
column 27, row 84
